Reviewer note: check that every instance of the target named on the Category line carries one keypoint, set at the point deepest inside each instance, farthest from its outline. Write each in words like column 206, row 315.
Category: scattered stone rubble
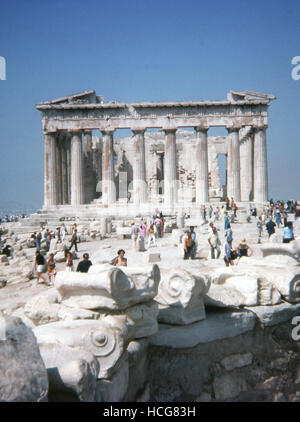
column 151, row 332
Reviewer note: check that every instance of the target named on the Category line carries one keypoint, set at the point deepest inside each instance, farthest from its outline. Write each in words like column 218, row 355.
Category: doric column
column 50, row 182
column 233, row 163
column 108, row 179
column 260, row 165
column 246, row 166
column 77, row 193
column 170, row 183
column 201, row 165
column 58, row 152
column 64, row 168
column 139, row 168
column 89, row 179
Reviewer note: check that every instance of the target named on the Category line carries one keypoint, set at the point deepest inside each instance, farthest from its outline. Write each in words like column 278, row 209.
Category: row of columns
column 65, row 161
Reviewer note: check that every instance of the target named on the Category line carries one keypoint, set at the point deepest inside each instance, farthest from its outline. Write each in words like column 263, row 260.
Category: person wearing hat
column 244, row 250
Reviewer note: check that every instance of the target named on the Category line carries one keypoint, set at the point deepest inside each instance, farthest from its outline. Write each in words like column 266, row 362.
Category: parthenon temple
column 168, row 160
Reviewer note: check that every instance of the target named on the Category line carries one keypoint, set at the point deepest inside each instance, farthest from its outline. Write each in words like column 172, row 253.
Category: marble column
column 260, row 165
column 233, row 163
column 246, row 166
column 202, row 165
column 50, row 182
column 58, row 152
column 89, row 178
column 139, row 168
column 108, row 179
column 64, row 168
column 77, row 191
column 170, row 182
column 68, row 154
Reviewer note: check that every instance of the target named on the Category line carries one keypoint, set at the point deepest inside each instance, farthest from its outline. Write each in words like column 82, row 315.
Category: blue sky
column 145, row 50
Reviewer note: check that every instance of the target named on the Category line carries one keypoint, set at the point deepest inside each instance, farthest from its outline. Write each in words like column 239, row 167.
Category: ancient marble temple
column 169, row 159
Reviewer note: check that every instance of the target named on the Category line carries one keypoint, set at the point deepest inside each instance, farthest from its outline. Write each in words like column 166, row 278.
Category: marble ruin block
column 241, row 286
column 105, row 341
column 70, row 369
column 180, row 297
column 106, row 287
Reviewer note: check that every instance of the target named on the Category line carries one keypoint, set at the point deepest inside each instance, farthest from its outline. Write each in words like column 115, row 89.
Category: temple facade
column 169, row 159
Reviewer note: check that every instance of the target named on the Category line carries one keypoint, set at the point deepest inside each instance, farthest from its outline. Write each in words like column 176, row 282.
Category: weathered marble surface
column 216, row 326
column 108, row 287
column 180, row 296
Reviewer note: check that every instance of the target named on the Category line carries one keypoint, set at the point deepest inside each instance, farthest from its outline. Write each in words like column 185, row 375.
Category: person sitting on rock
column 69, row 262
column 120, row 260
column 188, row 244
column 6, row 250
column 84, row 265
column 244, row 250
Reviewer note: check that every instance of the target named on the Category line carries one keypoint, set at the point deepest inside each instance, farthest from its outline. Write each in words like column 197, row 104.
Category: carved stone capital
column 262, row 126
column 201, row 128
column 139, row 131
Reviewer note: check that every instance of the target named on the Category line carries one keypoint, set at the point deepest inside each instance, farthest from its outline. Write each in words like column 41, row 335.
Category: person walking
column 214, row 243
column 259, row 229
column 51, row 269
column 226, row 220
column 135, row 230
column 270, row 226
column 144, row 229
column 151, row 235
column 228, row 253
column 74, row 241
column 39, row 267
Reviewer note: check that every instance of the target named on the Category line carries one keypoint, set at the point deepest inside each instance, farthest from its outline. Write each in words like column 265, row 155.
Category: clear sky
column 146, row 50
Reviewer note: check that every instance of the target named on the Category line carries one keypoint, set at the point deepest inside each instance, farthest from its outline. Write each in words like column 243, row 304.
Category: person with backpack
column 151, row 237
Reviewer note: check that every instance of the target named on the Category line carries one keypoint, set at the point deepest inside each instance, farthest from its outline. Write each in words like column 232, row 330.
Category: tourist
column 51, row 268
column 39, row 266
column 210, row 211
column 120, row 260
column 38, row 240
column 7, row 250
column 151, row 235
column 226, row 220
column 74, row 228
column 57, row 234
column 217, row 213
column 229, row 254
column 63, row 232
column 74, row 241
column 144, row 229
column 228, row 233
column 288, row 234
column 193, row 236
column 188, row 246
column 134, row 233
column 69, row 262
column 277, row 217
column 270, row 226
column 244, row 250
column 157, row 223
column 214, row 243
column 259, row 229
column 162, row 225
column 297, row 224
column 84, row 265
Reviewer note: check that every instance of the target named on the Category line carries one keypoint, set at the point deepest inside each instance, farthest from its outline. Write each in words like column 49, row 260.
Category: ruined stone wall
column 260, row 365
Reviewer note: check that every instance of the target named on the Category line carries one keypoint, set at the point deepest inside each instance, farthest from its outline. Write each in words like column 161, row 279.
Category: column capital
column 87, row 131
column 201, row 128
column 261, row 126
column 75, row 132
column 108, row 131
column 46, row 133
column 170, row 130
column 233, row 128
column 139, row 131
